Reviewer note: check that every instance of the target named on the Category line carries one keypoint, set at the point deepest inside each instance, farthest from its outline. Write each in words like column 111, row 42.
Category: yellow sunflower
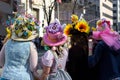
column 9, row 33
column 67, row 29
column 82, row 26
column 74, row 18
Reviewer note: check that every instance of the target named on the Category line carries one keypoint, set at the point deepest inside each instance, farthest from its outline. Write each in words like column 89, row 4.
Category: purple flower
column 54, row 28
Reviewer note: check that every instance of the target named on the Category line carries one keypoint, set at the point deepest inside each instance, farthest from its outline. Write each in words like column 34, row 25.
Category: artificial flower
column 32, row 23
column 24, row 25
column 93, row 29
column 8, row 32
column 54, row 27
column 82, row 26
column 74, row 18
column 99, row 22
column 67, row 29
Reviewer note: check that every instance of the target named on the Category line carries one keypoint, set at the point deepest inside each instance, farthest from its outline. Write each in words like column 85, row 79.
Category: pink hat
column 103, row 26
column 105, row 33
column 54, row 34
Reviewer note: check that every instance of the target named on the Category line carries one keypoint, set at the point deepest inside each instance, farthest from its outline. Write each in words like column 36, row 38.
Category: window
column 107, row 6
column 114, row 5
column 114, row 11
column 107, row 15
column 114, row 24
column 36, row 13
column 15, row 6
column 114, row 17
column 110, row 0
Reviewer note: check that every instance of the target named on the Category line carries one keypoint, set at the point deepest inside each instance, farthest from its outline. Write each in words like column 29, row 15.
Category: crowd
column 71, row 52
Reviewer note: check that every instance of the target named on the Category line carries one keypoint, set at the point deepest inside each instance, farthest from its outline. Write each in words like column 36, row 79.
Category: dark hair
column 78, row 53
column 81, row 41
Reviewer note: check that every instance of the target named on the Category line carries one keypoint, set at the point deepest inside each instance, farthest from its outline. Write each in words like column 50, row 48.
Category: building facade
column 116, row 15
column 34, row 7
column 106, row 10
column 91, row 9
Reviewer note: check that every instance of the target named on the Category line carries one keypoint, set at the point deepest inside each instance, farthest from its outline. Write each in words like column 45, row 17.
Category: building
column 116, row 14
column 106, row 10
column 34, row 7
column 91, row 9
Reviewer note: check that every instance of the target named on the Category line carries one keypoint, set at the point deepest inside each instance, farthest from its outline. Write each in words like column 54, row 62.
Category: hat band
column 52, row 39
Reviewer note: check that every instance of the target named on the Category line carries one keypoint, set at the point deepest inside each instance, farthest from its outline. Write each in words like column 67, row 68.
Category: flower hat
column 76, row 27
column 24, row 28
column 54, row 35
column 107, row 34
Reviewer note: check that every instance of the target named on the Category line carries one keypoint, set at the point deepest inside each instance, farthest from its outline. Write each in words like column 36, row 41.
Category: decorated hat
column 54, row 35
column 107, row 34
column 103, row 26
column 77, row 27
column 24, row 28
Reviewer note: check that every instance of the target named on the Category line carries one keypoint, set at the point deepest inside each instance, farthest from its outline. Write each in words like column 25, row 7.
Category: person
column 18, row 56
column 1, row 44
column 106, row 53
column 54, row 39
column 9, row 33
column 9, row 26
column 77, row 65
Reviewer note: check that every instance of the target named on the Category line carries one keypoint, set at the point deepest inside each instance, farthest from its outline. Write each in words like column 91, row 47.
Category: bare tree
column 48, row 10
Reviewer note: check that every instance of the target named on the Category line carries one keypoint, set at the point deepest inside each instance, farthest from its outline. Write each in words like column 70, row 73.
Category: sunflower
column 9, row 33
column 74, row 18
column 67, row 29
column 82, row 26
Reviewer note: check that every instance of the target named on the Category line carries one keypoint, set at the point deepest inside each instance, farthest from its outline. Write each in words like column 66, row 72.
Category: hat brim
column 14, row 37
column 50, row 43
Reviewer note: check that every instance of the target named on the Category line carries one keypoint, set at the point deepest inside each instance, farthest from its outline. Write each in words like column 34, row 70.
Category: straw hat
column 24, row 28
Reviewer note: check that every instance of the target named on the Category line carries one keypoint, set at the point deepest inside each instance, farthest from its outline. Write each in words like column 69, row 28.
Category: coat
column 108, row 61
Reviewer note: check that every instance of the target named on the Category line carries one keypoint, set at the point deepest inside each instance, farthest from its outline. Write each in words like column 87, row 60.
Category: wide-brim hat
column 54, row 42
column 16, row 38
column 5, row 8
column 25, row 28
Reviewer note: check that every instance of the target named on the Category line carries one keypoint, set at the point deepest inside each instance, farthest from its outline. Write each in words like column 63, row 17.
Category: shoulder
column 102, row 43
column 47, row 58
column 48, row 55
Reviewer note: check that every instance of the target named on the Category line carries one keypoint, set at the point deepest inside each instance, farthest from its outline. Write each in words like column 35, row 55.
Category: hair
column 80, row 40
column 79, row 45
column 58, row 50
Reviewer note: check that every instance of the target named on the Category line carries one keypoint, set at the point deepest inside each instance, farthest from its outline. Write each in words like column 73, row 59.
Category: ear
column 63, row 26
column 57, row 20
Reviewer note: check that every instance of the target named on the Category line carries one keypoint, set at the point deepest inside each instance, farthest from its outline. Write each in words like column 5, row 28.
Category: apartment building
column 34, row 7
column 116, row 15
column 106, row 10
column 91, row 9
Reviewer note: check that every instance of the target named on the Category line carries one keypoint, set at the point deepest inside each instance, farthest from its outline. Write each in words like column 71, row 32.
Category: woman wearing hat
column 77, row 65
column 54, row 38
column 18, row 56
column 107, row 52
